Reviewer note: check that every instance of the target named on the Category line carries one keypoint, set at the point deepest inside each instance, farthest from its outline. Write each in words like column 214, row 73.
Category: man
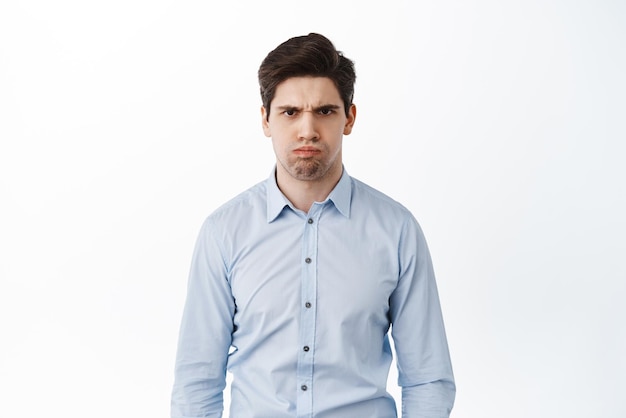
column 295, row 283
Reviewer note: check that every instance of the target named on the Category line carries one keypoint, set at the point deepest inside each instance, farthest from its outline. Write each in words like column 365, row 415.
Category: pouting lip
column 307, row 149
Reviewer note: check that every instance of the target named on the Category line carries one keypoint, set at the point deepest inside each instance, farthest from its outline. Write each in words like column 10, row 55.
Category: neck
column 303, row 193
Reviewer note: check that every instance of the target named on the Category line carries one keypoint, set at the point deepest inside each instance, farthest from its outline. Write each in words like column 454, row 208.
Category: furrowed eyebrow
column 327, row 107
column 315, row 109
column 287, row 107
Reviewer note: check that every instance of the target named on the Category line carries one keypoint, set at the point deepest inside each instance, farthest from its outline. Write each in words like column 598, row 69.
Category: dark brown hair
column 310, row 55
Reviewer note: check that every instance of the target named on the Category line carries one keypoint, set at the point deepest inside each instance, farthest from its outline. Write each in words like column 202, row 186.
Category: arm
column 205, row 333
column 424, row 368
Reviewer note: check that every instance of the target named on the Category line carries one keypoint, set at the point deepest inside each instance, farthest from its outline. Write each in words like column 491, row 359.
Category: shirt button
column 305, row 348
column 307, row 260
column 303, row 387
column 310, row 221
column 307, row 305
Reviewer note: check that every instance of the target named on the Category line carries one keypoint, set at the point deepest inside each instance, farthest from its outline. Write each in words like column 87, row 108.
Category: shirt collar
column 276, row 200
column 341, row 196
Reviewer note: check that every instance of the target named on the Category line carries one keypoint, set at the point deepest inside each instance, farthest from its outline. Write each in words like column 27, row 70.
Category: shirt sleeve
column 205, row 333
column 422, row 355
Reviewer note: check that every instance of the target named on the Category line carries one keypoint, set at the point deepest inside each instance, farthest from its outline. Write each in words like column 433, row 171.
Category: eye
column 326, row 111
column 290, row 112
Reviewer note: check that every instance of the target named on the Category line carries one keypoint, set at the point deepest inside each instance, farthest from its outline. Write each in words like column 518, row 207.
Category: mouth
column 306, row 151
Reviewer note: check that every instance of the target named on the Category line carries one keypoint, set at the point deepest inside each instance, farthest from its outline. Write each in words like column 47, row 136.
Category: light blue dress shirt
column 298, row 307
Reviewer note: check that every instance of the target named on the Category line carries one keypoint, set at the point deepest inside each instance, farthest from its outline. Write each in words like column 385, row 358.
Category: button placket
column 308, row 312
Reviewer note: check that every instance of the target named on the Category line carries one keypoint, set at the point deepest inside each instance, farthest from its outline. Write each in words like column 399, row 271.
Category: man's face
column 307, row 122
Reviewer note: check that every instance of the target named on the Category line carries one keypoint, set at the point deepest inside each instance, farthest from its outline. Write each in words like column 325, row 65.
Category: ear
column 265, row 123
column 350, row 120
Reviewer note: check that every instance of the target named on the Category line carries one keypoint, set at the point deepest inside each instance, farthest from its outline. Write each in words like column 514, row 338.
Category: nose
column 307, row 129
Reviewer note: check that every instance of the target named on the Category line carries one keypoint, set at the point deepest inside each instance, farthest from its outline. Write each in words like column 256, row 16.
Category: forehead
column 307, row 91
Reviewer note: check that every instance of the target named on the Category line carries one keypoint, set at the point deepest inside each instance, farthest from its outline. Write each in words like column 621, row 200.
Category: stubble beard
column 314, row 168
column 307, row 169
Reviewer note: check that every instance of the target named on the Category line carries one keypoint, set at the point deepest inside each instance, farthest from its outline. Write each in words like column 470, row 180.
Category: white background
column 500, row 124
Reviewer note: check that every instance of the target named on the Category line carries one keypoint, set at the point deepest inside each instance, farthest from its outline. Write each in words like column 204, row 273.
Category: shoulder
column 384, row 217
column 248, row 204
column 366, row 197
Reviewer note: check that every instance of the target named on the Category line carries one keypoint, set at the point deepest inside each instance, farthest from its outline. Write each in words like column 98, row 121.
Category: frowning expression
column 307, row 122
